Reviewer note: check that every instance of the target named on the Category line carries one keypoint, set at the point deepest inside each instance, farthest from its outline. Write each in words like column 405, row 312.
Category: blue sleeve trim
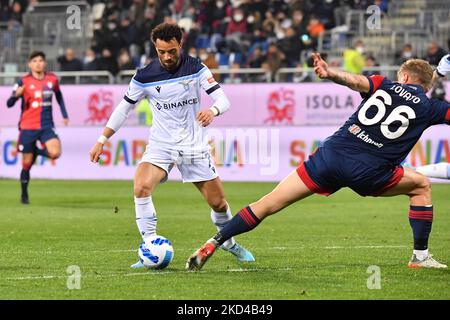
column 212, row 89
column 129, row 100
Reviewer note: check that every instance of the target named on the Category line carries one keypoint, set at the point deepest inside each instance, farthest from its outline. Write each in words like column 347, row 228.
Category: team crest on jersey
column 49, row 85
column 158, row 88
column 355, row 129
column 185, row 84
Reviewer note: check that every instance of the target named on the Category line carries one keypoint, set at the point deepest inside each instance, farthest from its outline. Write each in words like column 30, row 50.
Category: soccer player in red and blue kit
column 365, row 154
column 36, row 90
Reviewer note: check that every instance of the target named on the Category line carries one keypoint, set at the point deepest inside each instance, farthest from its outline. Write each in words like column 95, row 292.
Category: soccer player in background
column 364, row 155
column 172, row 85
column 36, row 90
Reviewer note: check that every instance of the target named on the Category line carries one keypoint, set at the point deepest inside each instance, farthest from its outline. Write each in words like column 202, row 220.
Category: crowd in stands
column 267, row 34
column 233, row 33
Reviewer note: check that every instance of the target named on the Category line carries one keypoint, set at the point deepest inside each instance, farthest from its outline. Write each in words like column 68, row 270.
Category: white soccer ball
column 156, row 252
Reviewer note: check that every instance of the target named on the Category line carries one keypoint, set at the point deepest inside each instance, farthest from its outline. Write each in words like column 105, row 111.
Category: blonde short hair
column 420, row 70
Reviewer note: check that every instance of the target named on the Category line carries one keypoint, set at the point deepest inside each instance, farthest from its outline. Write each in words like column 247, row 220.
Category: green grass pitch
column 319, row 248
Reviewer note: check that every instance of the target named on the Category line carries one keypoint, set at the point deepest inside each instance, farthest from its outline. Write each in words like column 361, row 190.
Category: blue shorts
column 28, row 139
column 326, row 171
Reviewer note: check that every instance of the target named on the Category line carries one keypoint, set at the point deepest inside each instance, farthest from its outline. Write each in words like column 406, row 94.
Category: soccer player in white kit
column 172, row 84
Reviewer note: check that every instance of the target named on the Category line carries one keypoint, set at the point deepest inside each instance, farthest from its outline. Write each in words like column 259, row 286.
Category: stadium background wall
column 241, row 154
column 278, row 104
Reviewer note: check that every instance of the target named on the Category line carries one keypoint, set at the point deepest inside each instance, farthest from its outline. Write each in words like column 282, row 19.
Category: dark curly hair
column 166, row 32
column 35, row 54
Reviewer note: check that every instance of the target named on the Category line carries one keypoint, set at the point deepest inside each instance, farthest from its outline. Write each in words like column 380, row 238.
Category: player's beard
column 173, row 65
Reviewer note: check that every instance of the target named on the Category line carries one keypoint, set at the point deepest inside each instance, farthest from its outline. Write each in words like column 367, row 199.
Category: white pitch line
column 365, row 247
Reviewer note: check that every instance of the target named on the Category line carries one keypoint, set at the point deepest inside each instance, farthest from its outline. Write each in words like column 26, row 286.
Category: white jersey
column 444, row 66
column 175, row 101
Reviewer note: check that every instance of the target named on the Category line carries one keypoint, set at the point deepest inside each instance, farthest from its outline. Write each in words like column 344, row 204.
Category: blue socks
column 242, row 222
column 421, row 219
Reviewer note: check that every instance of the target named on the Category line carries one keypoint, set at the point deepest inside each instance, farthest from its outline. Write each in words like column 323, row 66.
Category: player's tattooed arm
column 353, row 81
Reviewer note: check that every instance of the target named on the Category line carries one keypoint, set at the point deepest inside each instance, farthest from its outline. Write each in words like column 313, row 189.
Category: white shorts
column 194, row 166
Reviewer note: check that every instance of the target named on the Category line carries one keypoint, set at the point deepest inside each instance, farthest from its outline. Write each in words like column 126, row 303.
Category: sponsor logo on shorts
column 211, row 80
column 361, row 134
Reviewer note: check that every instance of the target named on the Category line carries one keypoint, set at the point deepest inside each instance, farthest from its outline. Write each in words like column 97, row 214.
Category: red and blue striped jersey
column 37, row 101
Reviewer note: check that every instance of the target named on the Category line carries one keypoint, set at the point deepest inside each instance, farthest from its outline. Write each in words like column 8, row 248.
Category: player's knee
column 141, row 189
column 423, row 186
column 218, row 204
column 26, row 165
column 54, row 154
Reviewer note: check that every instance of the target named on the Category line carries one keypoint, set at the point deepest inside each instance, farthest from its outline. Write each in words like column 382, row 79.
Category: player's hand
column 66, row 122
column 205, row 117
column 96, row 152
column 19, row 91
column 320, row 66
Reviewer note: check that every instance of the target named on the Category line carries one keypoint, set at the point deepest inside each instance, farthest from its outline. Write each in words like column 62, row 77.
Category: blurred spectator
column 405, row 54
column 237, row 25
column 9, row 37
column 69, row 62
column 371, row 62
column 17, row 12
column 112, row 37
column 107, row 62
column 434, row 53
column 128, row 32
column 354, row 59
column 124, row 60
column 299, row 22
column 259, row 6
column 340, row 11
column 90, row 62
column 315, row 27
column 383, row 5
column 256, row 58
column 274, row 59
column 291, row 46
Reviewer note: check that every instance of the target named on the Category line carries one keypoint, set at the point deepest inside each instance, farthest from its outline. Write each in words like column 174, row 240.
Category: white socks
column 421, row 254
column 438, row 170
column 145, row 216
column 220, row 219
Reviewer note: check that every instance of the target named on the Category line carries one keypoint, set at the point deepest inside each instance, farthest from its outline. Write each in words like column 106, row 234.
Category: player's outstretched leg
column 147, row 177
column 288, row 191
column 212, row 191
column 418, row 188
column 438, row 170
